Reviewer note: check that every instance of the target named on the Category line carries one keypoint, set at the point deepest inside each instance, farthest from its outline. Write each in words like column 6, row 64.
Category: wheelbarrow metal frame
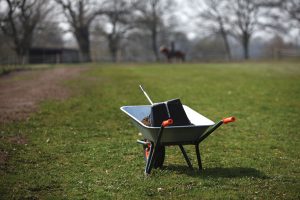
column 173, row 135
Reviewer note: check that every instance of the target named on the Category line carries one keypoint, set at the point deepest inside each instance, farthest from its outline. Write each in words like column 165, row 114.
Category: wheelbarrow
column 171, row 131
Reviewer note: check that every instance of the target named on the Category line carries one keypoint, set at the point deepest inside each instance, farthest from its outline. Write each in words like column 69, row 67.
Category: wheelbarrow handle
column 217, row 125
column 156, row 144
column 228, row 120
column 167, row 122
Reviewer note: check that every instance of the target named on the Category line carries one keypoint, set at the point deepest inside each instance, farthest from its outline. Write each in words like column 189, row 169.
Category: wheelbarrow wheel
column 160, row 156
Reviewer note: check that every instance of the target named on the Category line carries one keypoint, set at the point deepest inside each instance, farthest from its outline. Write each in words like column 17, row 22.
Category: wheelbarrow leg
column 155, row 145
column 149, row 158
column 186, row 156
column 198, row 157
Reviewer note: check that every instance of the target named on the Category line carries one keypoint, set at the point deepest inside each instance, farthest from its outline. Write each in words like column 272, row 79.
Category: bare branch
column 20, row 21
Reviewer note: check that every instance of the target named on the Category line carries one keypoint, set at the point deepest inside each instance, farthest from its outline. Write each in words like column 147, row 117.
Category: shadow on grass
column 218, row 172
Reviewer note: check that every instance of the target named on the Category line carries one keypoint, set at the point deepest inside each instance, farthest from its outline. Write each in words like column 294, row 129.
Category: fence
column 286, row 53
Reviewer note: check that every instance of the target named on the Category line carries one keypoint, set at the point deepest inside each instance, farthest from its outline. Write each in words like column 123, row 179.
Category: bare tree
column 118, row 20
column 151, row 18
column 244, row 21
column 289, row 11
column 237, row 18
column 80, row 14
column 292, row 7
column 213, row 17
column 19, row 21
column 48, row 34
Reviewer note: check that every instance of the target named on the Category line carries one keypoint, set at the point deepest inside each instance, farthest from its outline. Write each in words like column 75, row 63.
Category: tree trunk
column 245, row 42
column 113, row 51
column 22, row 49
column 154, row 44
column 82, row 36
column 113, row 44
column 84, row 46
column 225, row 39
column 226, row 43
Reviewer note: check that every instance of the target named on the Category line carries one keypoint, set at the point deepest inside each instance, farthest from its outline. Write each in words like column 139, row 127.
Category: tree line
column 24, row 22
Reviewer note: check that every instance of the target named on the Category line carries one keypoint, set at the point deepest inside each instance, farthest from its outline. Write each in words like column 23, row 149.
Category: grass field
column 85, row 147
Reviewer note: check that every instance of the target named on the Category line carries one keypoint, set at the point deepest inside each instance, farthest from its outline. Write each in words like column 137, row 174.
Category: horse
column 170, row 54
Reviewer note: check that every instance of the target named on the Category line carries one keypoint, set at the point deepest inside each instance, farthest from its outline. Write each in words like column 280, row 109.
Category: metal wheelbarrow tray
column 158, row 137
column 171, row 134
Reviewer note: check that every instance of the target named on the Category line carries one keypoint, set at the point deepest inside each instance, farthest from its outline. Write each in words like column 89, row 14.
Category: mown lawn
column 85, row 147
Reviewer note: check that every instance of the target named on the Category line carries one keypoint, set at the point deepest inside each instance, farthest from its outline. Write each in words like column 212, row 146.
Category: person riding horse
column 172, row 53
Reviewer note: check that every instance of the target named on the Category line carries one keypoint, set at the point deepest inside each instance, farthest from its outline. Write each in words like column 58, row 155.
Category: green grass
column 84, row 147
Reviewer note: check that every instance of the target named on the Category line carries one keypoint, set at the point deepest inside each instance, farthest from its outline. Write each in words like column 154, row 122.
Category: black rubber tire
column 160, row 158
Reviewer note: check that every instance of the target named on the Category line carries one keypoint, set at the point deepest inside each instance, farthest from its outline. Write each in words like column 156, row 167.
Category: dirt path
column 21, row 92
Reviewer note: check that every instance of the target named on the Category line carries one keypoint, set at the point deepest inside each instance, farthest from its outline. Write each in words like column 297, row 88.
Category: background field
column 84, row 147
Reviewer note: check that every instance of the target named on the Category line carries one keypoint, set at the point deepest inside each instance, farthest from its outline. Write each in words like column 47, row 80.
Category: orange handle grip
column 167, row 122
column 228, row 120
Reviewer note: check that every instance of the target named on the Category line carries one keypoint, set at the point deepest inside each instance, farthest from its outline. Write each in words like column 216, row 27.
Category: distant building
column 53, row 55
